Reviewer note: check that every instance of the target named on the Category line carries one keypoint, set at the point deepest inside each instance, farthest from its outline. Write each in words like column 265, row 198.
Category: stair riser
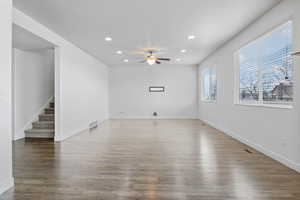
column 46, row 118
column 51, row 105
column 49, row 111
column 43, row 126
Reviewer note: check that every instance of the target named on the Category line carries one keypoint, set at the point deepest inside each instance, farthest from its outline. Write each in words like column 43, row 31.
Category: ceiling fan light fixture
column 151, row 61
column 108, row 39
column 191, row 37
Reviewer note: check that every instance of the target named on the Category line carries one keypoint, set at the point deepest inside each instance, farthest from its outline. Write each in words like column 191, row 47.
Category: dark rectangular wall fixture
column 156, row 89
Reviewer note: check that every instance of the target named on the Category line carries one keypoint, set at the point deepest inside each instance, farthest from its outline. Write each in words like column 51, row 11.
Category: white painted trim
column 19, row 134
column 209, row 101
column 74, row 133
column 59, row 138
column 271, row 154
column 280, row 106
column 57, row 91
column 150, row 118
column 6, row 185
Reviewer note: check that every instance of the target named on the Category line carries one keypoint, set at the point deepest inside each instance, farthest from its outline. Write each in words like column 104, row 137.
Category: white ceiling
column 139, row 23
column 25, row 40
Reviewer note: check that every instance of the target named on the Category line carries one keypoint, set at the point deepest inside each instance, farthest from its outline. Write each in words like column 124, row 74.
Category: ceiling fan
column 151, row 58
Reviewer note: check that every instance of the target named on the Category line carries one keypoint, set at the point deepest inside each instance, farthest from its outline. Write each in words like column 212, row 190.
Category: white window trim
column 202, row 85
column 237, row 73
column 282, row 106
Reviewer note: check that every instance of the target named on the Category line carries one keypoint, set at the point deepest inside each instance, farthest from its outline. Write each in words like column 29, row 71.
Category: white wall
column 33, row 86
column 83, row 91
column 273, row 131
column 81, row 94
column 6, row 180
column 129, row 96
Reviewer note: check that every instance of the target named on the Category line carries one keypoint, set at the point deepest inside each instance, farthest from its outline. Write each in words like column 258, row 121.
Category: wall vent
column 93, row 125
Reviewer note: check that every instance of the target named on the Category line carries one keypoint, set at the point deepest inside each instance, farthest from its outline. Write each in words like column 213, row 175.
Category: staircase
column 44, row 127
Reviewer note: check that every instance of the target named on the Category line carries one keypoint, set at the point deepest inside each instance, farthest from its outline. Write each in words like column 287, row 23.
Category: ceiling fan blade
column 165, row 59
column 139, row 53
column 143, row 61
column 157, row 62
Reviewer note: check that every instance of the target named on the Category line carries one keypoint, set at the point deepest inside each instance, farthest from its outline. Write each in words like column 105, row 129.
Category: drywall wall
column 33, row 86
column 81, row 81
column 6, row 180
column 130, row 98
column 273, row 131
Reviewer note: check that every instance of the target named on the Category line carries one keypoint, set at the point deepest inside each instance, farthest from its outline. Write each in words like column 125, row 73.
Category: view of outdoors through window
column 266, row 68
column 209, row 84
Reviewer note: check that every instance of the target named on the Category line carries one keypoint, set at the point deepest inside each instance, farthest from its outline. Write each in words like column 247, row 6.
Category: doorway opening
column 33, row 67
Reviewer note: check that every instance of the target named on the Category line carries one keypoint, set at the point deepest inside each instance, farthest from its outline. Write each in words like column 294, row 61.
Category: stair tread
column 43, row 122
column 33, row 130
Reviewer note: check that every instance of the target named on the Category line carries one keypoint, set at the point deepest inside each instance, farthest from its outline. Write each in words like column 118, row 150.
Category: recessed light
column 108, row 39
column 126, row 60
column 183, row 51
column 119, row 52
column 191, row 37
column 178, row 59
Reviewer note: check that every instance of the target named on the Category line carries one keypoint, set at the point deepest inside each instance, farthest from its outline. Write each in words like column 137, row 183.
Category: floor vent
column 248, row 151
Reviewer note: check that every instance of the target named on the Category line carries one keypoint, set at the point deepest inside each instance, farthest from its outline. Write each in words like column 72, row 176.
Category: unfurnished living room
column 150, row 100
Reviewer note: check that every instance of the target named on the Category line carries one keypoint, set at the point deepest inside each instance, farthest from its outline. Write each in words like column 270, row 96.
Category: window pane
column 249, row 73
column 266, row 68
column 156, row 89
column 206, row 84
column 213, row 90
column 277, row 66
column 209, row 82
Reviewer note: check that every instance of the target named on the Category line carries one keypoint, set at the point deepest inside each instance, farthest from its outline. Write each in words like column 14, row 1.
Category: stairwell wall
column 33, row 86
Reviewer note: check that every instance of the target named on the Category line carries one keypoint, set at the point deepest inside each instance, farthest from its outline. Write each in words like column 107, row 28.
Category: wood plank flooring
column 148, row 160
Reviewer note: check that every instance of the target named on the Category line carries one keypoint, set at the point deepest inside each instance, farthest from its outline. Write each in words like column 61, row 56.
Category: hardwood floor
column 148, row 160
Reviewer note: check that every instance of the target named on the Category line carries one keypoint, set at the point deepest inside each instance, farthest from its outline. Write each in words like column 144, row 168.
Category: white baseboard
column 152, row 117
column 19, row 134
column 271, row 154
column 6, row 185
column 60, row 138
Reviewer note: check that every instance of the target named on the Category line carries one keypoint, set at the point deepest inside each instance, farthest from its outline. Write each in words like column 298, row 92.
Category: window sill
column 209, row 101
column 266, row 105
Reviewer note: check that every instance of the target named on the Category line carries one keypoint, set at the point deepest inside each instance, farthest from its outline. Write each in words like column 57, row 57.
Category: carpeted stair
column 44, row 127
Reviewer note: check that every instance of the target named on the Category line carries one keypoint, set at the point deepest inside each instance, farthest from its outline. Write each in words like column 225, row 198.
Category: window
column 209, row 84
column 266, row 68
column 156, row 89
